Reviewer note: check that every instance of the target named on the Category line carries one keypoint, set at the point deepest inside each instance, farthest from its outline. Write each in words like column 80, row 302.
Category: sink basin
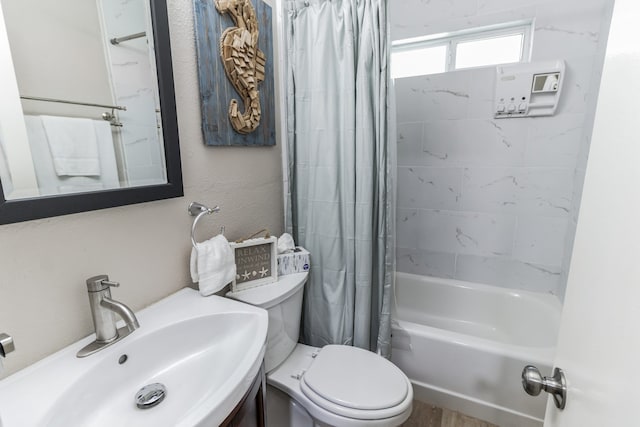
column 204, row 351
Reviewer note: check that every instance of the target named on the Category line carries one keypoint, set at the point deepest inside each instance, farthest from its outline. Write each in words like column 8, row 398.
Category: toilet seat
column 344, row 385
column 354, row 383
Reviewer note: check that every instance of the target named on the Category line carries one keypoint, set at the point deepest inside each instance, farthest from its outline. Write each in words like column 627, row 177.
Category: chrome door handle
column 533, row 383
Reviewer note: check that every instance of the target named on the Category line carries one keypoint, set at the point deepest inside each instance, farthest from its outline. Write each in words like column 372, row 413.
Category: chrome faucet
column 102, row 311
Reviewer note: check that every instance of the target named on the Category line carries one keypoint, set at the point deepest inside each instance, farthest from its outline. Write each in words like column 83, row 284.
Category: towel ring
column 199, row 210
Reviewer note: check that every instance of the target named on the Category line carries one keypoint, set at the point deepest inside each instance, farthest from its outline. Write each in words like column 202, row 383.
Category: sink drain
column 150, row 395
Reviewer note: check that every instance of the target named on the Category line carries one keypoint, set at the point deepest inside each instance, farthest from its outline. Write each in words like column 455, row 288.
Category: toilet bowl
column 335, row 385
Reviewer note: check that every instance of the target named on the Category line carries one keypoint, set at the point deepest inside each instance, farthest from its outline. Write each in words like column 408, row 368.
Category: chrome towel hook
column 199, row 210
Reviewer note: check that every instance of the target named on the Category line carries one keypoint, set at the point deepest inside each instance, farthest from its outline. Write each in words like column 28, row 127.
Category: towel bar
column 199, row 210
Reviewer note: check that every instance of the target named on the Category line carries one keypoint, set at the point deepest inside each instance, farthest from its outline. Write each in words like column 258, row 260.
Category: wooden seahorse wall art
column 243, row 62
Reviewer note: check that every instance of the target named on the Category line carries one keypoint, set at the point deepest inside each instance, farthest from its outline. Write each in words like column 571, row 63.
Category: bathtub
column 463, row 345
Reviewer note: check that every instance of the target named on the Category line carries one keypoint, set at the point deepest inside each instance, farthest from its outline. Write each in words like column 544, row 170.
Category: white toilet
column 336, row 385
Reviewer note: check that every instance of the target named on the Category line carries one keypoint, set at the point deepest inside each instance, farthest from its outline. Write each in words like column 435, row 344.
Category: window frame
column 452, row 39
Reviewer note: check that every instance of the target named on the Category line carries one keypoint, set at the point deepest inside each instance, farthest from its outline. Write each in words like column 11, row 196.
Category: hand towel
column 212, row 265
column 50, row 183
column 73, row 144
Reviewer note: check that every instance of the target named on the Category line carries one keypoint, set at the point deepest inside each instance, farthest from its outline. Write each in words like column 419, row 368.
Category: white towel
column 50, row 183
column 73, row 144
column 212, row 265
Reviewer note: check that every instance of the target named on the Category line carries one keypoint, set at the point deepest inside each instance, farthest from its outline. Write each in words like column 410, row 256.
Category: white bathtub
column 463, row 345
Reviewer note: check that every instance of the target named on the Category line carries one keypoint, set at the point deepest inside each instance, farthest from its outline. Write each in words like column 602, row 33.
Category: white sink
column 205, row 351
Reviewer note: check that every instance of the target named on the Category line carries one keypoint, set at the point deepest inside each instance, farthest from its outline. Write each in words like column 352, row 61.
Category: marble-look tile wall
column 495, row 201
column 133, row 79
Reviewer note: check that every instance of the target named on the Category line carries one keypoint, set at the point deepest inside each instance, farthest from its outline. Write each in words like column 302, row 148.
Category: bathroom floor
column 427, row 415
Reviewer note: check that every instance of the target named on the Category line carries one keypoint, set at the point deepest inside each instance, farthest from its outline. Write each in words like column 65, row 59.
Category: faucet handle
column 110, row 283
column 99, row 283
column 6, row 345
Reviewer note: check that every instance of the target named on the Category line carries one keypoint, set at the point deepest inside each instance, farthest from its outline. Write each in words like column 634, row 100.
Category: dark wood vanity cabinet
column 250, row 412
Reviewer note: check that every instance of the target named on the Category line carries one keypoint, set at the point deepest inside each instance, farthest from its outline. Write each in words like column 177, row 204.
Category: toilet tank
column 283, row 301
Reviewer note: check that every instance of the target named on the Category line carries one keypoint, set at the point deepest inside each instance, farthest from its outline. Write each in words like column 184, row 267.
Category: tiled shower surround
column 485, row 200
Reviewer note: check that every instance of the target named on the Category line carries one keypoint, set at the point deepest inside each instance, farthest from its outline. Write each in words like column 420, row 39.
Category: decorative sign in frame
column 234, row 45
column 256, row 263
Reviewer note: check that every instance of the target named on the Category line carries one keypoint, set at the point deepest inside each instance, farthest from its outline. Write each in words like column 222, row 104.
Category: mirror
column 87, row 119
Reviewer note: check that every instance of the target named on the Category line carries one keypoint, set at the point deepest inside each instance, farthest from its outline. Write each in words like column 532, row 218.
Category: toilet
column 336, row 385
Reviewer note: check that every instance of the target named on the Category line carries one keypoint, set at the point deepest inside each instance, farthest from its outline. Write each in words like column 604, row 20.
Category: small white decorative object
column 297, row 261
column 256, row 263
column 285, row 243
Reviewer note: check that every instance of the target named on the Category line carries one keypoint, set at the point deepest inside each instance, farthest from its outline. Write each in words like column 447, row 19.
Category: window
column 419, row 61
column 477, row 47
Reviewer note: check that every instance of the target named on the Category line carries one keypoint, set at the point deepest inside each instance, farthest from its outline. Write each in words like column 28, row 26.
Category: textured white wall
column 40, row 34
column 44, row 263
column 495, row 201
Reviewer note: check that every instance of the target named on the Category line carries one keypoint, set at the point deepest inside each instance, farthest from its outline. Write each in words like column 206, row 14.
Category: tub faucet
column 103, row 309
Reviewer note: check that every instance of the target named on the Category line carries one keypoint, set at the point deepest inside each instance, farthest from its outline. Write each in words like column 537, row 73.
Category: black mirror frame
column 12, row 211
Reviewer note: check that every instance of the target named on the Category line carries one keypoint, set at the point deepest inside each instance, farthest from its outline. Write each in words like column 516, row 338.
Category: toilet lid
column 354, row 378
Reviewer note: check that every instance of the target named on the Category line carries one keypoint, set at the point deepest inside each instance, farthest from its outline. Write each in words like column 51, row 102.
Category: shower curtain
column 339, row 169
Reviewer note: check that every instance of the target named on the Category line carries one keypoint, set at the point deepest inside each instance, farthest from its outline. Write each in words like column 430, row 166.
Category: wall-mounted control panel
column 528, row 89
